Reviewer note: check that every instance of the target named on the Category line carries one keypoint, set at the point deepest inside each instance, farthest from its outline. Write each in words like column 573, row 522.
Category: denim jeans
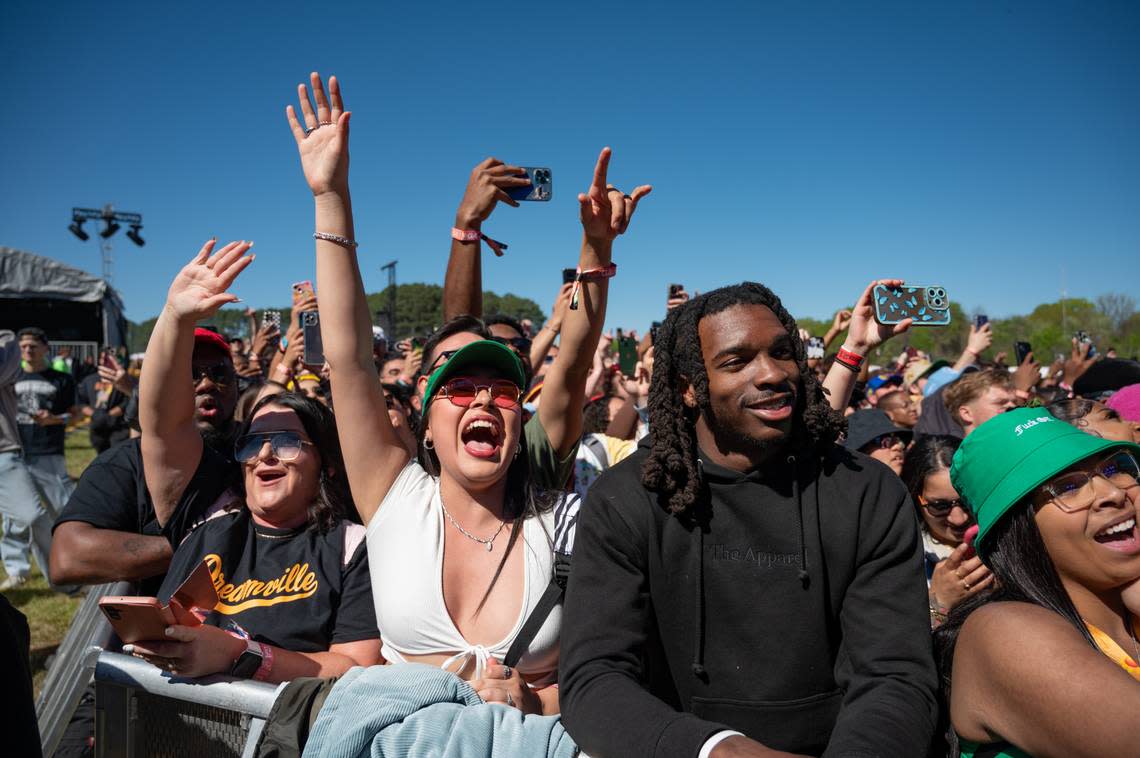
column 33, row 490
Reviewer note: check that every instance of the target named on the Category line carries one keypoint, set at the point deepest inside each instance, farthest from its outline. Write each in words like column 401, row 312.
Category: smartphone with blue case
column 928, row 305
column 541, row 185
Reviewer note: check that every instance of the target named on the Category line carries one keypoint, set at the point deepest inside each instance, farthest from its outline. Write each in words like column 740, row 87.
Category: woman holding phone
column 1047, row 662
column 290, row 569
column 462, row 538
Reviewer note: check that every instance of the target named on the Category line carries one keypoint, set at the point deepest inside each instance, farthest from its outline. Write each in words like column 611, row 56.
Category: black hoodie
column 811, row 634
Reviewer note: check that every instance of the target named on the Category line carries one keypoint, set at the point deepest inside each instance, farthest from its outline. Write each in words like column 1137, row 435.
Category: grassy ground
column 49, row 613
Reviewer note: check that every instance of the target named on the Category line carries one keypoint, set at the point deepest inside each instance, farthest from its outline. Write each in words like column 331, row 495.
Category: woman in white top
column 462, row 545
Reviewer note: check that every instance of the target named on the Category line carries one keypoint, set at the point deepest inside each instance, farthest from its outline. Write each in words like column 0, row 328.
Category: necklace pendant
column 489, row 546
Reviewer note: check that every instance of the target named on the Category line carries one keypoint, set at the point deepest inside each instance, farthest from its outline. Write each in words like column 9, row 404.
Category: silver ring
column 311, row 129
column 506, row 672
column 324, row 123
column 510, row 700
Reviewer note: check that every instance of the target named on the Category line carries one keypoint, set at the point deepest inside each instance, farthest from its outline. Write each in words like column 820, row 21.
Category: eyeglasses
column 286, row 446
column 943, row 507
column 218, row 373
column 521, row 344
column 462, row 391
column 1074, row 491
column 887, row 441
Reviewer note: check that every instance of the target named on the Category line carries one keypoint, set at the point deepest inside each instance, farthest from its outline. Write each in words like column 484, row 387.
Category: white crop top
column 405, row 556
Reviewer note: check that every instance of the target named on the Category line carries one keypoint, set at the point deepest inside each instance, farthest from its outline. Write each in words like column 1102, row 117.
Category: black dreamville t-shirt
column 112, row 494
column 47, row 390
column 292, row 588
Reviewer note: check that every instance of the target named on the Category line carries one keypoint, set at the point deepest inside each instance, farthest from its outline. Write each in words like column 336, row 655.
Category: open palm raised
column 323, row 141
column 199, row 290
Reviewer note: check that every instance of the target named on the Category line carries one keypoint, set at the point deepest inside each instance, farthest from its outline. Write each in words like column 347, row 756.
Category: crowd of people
column 746, row 541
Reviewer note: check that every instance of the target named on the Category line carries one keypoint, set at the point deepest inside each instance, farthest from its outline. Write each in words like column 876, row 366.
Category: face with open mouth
column 1090, row 531
column 215, row 388
column 477, row 442
column 753, row 381
column 279, row 491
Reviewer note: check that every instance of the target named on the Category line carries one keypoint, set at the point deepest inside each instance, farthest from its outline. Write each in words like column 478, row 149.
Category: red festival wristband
column 266, row 663
column 851, row 360
column 590, row 275
column 471, row 235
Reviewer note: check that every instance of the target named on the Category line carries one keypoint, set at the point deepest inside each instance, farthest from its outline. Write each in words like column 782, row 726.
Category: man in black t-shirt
column 104, row 403
column 45, row 401
column 108, row 532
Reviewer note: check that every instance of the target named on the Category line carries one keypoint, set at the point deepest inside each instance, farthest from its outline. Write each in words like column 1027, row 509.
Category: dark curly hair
column 334, row 501
column 671, row 469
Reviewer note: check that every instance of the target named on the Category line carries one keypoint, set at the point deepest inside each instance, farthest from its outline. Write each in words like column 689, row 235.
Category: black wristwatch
column 248, row 662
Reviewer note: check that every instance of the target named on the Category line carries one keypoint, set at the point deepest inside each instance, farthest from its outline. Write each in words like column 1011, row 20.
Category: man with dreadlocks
column 742, row 585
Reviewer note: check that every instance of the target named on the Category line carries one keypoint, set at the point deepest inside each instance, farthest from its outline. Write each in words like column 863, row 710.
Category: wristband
column 590, row 275
column 472, row 235
column 266, row 663
column 848, row 359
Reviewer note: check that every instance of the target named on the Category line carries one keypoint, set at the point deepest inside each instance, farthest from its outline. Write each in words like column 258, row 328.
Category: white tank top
column 405, row 556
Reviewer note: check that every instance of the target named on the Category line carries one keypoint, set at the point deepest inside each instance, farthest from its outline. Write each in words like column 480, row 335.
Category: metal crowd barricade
column 141, row 710
column 73, row 664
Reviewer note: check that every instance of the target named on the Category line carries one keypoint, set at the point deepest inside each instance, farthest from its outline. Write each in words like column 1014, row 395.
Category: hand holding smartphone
column 927, row 305
column 541, row 186
column 136, row 618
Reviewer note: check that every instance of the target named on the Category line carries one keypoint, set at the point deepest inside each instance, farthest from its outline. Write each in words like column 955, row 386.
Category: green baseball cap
column 1009, row 456
column 484, row 354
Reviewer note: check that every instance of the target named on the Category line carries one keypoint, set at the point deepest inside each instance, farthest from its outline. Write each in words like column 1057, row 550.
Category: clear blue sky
column 985, row 146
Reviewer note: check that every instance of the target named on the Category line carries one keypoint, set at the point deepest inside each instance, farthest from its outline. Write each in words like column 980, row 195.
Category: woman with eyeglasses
column 1046, row 664
column 290, row 570
column 953, row 571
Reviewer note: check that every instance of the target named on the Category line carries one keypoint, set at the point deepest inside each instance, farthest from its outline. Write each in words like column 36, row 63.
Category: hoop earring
column 428, row 444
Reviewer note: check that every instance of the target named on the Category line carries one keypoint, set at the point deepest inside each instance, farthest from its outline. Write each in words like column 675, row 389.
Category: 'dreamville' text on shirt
column 296, row 583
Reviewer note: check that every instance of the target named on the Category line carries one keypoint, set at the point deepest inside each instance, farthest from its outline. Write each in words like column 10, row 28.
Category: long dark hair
column 523, row 498
column 334, row 501
column 671, row 468
column 1020, row 562
column 929, row 455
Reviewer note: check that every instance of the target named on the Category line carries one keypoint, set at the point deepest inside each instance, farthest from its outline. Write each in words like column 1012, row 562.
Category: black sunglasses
column 218, row 373
column 522, row 344
column 943, row 507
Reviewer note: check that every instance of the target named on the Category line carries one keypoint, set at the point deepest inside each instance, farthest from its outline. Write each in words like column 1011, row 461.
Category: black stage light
column 133, row 235
column 110, row 228
column 76, row 228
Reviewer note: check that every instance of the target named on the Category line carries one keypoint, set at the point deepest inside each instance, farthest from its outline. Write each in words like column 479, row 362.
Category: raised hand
column 323, row 140
column 1078, row 363
column 1028, row 374
column 487, row 188
column 864, row 333
column 199, row 290
column 605, row 210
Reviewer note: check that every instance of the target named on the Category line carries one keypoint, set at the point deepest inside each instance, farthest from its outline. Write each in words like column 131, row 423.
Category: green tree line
column 1111, row 321
column 419, row 310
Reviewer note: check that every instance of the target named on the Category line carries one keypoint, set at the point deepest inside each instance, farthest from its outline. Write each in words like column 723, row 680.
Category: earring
column 518, row 449
column 428, row 444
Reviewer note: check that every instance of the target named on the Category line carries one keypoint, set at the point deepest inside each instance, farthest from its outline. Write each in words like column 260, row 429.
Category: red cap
column 210, row 338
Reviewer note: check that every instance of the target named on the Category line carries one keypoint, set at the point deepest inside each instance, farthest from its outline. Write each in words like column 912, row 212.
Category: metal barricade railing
column 73, row 664
column 141, row 710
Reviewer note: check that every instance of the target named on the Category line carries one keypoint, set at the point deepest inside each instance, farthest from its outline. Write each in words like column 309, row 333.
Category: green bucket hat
column 1009, row 456
column 484, row 354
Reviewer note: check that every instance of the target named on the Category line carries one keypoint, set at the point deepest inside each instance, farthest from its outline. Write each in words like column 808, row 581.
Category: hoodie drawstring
column 698, row 665
column 804, row 577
